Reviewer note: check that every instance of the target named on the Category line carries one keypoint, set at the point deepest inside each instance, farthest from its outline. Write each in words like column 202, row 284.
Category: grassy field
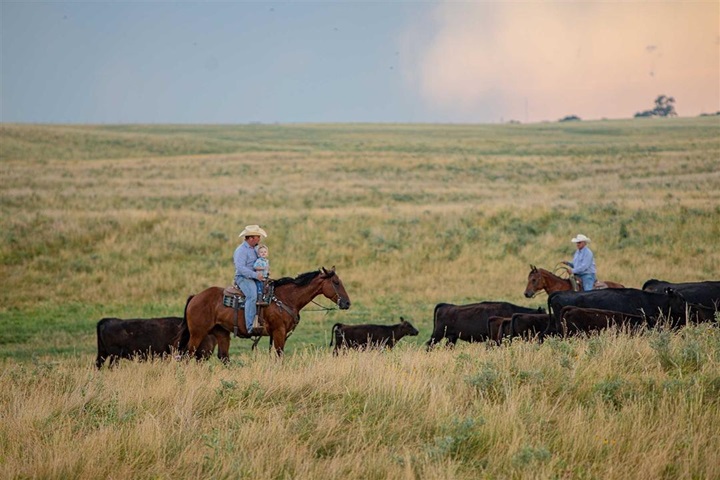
column 129, row 220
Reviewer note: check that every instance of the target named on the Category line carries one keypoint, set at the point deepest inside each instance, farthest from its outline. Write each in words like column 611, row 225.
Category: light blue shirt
column 264, row 264
column 244, row 258
column 583, row 262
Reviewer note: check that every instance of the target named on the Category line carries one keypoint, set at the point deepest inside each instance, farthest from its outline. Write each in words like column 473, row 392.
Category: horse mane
column 301, row 280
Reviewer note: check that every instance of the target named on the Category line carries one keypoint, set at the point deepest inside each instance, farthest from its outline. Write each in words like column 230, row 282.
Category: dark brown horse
column 541, row 279
column 205, row 311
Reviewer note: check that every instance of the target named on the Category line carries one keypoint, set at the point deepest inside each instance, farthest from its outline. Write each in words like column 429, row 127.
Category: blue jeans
column 259, row 288
column 248, row 287
column 588, row 280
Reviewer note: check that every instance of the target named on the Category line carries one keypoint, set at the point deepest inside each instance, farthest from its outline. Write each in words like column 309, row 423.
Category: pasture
column 127, row 221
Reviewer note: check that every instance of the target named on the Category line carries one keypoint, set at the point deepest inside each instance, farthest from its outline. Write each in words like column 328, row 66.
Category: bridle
column 336, row 299
column 542, row 283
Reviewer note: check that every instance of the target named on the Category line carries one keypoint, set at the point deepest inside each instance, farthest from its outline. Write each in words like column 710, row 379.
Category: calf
column 528, row 325
column 586, row 320
column 495, row 328
column 369, row 335
column 141, row 337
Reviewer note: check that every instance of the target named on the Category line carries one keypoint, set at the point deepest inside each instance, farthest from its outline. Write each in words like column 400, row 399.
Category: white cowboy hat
column 580, row 238
column 252, row 231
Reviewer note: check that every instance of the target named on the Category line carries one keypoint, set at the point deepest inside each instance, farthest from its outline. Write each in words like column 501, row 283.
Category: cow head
column 406, row 328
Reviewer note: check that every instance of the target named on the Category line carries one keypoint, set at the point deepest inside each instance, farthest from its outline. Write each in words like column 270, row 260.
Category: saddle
column 234, row 298
column 576, row 284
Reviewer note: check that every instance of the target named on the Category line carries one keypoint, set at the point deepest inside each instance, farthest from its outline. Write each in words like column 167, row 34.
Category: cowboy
column 245, row 275
column 583, row 264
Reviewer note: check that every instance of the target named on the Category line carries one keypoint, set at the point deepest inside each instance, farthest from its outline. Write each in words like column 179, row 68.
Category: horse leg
column 223, row 343
column 194, row 342
column 277, row 339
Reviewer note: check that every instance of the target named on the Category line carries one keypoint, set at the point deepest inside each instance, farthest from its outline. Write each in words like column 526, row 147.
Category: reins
column 322, row 308
column 325, row 309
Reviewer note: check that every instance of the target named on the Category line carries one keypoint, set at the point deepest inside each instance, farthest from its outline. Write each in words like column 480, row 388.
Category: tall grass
column 129, row 220
column 611, row 406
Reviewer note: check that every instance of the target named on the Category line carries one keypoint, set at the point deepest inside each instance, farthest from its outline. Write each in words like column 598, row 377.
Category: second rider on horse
column 583, row 264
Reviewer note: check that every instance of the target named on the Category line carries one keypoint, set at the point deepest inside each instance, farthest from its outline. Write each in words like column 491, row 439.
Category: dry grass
column 129, row 220
column 612, row 406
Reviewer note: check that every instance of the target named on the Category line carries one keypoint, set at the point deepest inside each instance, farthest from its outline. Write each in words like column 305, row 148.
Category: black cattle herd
column 567, row 313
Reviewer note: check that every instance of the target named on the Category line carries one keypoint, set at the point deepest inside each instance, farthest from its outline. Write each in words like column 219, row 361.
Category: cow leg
column 223, row 344
column 435, row 338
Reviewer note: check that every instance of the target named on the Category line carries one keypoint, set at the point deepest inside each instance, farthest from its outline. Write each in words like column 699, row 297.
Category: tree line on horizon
column 664, row 107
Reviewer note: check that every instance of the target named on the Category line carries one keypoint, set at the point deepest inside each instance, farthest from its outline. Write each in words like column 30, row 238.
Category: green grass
column 129, row 220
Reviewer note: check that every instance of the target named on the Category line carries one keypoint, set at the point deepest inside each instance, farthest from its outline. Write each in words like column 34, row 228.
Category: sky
column 212, row 62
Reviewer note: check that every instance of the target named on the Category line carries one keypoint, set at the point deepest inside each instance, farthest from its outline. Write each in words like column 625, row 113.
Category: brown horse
column 205, row 311
column 541, row 279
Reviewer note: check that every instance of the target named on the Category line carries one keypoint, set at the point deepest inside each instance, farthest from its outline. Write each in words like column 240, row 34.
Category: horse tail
column 332, row 332
column 183, row 336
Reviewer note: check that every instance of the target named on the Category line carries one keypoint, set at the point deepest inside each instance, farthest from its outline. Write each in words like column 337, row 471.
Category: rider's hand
column 260, row 277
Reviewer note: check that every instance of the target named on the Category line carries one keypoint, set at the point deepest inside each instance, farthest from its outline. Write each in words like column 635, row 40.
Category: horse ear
column 532, row 268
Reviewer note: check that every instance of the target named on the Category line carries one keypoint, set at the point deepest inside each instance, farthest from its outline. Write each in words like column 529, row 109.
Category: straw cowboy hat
column 253, row 231
column 580, row 238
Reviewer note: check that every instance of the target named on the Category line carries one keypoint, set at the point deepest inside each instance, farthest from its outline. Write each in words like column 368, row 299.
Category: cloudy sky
column 381, row 61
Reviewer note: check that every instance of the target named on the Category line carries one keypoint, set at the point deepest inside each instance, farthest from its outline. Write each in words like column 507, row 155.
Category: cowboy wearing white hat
column 583, row 264
column 245, row 276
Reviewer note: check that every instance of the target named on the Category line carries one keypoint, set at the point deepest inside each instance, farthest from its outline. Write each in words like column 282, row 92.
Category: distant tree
column 664, row 107
column 570, row 118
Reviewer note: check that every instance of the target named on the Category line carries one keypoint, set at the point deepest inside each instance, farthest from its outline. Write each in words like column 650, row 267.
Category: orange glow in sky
column 535, row 61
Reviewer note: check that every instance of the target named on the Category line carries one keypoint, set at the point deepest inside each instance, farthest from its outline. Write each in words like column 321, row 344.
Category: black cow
column 670, row 305
column 469, row 322
column 370, row 335
column 702, row 293
column 142, row 338
column 586, row 320
column 528, row 325
column 496, row 328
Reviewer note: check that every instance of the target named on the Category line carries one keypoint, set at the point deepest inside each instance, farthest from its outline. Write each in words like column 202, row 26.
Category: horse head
column 333, row 288
column 535, row 282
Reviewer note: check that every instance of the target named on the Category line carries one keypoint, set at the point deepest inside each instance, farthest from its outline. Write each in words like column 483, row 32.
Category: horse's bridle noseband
column 337, row 292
